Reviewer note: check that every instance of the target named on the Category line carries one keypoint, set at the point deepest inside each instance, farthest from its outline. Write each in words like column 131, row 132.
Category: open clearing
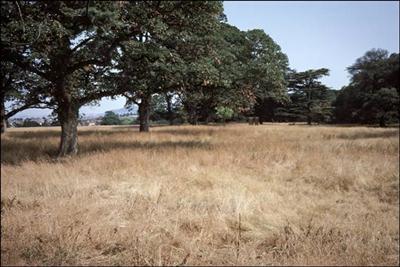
column 233, row 195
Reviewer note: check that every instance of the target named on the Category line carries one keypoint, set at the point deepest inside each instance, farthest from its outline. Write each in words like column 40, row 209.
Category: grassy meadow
column 272, row 194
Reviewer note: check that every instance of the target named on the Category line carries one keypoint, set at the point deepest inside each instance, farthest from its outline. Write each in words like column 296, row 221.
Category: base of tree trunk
column 144, row 128
column 69, row 135
column 69, row 143
column 193, row 119
column 144, row 114
column 3, row 126
column 3, row 117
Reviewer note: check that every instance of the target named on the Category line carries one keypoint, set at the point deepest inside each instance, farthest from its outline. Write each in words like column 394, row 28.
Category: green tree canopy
column 20, row 89
column 266, row 74
column 155, row 63
column 373, row 93
column 224, row 113
column 110, row 118
column 69, row 44
column 74, row 46
column 310, row 100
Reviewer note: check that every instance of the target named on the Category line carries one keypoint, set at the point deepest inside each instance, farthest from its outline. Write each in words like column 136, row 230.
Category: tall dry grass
column 202, row 195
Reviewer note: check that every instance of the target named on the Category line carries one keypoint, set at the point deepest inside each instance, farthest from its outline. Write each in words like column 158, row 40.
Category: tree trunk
column 191, row 112
column 68, row 117
column 3, row 117
column 3, row 125
column 144, row 113
column 382, row 122
column 193, row 117
column 309, row 105
column 309, row 120
column 168, row 97
column 208, row 119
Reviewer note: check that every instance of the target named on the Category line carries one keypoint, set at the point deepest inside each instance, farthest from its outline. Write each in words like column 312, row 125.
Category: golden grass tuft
column 304, row 195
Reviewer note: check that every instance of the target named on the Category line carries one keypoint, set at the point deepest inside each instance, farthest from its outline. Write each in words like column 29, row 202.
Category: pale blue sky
column 312, row 34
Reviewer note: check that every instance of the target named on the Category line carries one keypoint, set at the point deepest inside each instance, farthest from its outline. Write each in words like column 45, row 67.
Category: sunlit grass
column 304, row 195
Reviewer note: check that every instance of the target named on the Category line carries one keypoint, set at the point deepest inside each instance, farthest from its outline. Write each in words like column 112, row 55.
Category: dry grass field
column 202, row 195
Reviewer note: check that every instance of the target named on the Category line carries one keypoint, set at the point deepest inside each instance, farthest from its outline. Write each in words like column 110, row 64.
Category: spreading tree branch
column 25, row 65
column 32, row 104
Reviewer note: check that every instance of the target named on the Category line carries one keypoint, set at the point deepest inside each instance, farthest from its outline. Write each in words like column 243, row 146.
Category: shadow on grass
column 115, row 130
column 16, row 151
column 192, row 131
column 344, row 125
column 366, row 135
column 56, row 134
column 160, row 128
column 136, row 126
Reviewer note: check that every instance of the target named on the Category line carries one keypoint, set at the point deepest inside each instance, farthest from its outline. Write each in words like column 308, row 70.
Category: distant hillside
column 125, row 111
column 40, row 113
column 120, row 112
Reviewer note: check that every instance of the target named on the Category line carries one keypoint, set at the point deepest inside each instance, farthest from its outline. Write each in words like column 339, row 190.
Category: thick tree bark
column 3, row 125
column 68, row 112
column 3, row 117
column 68, row 117
column 144, row 113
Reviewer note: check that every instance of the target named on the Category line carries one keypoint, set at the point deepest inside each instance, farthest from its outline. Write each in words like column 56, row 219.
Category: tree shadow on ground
column 193, row 131
column 344, row 125
column 367, row 135
column 136, row 126
column 109, row 131
column 56, row 134
column 14, row 152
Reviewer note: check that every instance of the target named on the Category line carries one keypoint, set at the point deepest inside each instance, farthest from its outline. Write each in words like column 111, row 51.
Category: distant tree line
column 373, row 93
column 111, row 118
column 372, row 97
column 179, row 61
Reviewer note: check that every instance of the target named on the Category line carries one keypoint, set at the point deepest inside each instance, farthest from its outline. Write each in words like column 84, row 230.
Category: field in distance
column 202, row 195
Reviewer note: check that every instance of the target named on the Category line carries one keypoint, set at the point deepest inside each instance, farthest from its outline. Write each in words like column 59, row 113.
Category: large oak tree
column 69, row 44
